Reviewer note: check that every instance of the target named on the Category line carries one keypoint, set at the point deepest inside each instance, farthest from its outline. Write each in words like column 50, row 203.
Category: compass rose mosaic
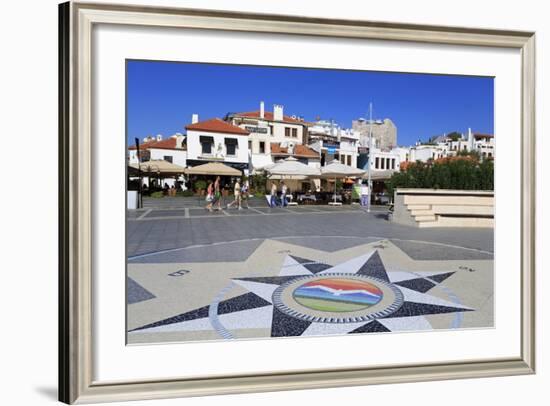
column 309, row 296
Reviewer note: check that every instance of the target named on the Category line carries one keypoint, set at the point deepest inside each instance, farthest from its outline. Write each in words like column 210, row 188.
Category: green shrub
column 258, row 182
column 200, row 184
column 156, row 194
column 259, row 194
column 464, row 173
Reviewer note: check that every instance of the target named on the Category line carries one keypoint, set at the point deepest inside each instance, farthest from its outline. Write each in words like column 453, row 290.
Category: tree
column 454, row 136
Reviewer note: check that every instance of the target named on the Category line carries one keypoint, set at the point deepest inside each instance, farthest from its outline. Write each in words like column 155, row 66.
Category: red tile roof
column 299, row 151
column 143, row 145
column 217, row 126
column 479, row 135
column 269, row 116
column 168, row 143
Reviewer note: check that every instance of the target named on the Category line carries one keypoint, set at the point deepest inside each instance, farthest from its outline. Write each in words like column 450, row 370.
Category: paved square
column 310, row 270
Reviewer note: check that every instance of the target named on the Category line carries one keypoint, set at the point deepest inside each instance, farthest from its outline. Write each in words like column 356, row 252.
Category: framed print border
column 76, row 384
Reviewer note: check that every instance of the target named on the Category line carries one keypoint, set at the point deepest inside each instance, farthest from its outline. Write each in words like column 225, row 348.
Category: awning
column 206, row 139
column 213, row 168
column 380, row 175
column 157, row 167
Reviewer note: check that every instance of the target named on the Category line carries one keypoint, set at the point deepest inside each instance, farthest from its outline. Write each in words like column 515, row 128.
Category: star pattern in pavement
column 397, row 301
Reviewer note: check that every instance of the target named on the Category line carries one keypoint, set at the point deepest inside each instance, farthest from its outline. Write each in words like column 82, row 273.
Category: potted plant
column 200, row 186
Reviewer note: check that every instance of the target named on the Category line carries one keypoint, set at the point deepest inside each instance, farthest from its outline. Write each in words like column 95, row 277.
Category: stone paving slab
column 165, row 213
column 243, row 212
column 204, row 212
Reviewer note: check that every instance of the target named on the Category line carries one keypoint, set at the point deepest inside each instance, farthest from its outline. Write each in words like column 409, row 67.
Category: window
column 377, row 163
column 294, row 133
column 206, row 144
column 145, row 156
column 343, row 159
column 349, row 160
column 231, row 146
column 262, row 147
column 271, row 130
column 250, row 146
column 287, row 131
column 168, row 158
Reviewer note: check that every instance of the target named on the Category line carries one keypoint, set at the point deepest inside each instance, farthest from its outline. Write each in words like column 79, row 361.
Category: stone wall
column 443, row 208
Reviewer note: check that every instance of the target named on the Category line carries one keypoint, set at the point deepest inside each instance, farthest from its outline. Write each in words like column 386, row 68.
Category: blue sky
column 162, row 96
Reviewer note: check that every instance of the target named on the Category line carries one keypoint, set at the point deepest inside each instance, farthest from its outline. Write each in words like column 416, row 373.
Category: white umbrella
column 336, row 169
column 291, row 167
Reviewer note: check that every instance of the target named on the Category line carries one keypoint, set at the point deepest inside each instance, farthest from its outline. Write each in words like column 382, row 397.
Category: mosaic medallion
column 337, row 294
column 337, row 298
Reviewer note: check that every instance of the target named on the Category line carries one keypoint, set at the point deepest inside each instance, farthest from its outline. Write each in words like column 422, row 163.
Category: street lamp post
column 369, row 182
column 140, row 199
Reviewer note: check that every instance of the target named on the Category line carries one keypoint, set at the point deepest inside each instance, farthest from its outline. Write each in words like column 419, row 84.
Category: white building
column 217, row 141
column 384, row 160
column 446, row 146
column 172, row 149
column 333, row 142
column 484, row 144
column 266, row 128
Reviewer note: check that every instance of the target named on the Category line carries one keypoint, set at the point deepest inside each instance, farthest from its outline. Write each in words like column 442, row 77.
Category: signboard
column 259, row 130
column 363, row 150
column 331, row 150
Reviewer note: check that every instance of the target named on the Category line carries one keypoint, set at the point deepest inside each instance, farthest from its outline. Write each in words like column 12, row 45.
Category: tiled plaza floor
column 300, row 271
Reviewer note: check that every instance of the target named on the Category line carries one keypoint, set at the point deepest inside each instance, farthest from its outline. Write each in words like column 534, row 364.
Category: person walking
column 236, row 195
column 284, row 189
column 209, row 196
column 364, row 194
column 273, row 201
column 217, row 195
column 244, row 193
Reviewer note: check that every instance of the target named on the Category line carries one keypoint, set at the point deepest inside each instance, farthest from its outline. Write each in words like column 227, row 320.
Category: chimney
column 261, row 109
column 159, row 137
column 470, row 139
column 278, row 112
column 194, row 118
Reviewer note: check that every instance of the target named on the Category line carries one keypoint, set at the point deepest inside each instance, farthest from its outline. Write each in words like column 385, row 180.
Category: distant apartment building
column 333, row 142
column 484, row 144
column 267, row 128
column 384, row 132
column 450, row 145
column 216, row 140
